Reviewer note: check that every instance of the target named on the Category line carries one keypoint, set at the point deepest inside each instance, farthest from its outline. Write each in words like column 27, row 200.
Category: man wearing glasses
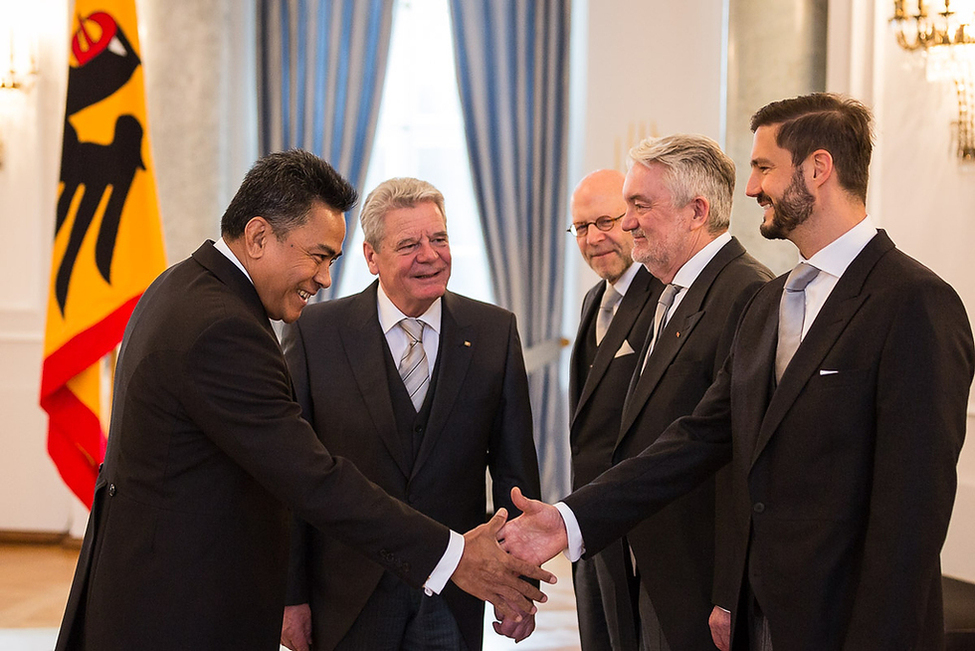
column 678, row 195
column 616, row 316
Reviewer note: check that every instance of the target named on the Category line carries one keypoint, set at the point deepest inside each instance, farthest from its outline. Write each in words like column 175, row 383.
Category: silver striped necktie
column 413, row 367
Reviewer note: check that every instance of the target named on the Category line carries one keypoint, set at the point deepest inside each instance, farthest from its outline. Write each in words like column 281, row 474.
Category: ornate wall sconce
column 945, row 32
column 18, row 65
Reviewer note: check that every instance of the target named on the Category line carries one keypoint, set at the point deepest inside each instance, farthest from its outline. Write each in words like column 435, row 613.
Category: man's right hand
column 489, row 573
column 720, row 624
column 296, row 628
column 538, row 534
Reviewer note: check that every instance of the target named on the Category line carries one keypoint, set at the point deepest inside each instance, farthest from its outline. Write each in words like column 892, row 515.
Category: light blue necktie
column 792, row 312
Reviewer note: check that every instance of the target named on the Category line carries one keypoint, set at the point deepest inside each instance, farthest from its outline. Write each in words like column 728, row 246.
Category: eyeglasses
column 603, row 223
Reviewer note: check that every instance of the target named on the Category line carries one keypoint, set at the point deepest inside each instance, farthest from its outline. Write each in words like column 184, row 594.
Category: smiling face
column 600, row 195
column 661, row 232
column 778, row 185
column 413, row 258
column 288, row 271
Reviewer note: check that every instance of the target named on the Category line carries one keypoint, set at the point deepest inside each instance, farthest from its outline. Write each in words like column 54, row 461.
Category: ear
column 821, row 167
column 256, row 234
column 370, row 254
column 701, row 208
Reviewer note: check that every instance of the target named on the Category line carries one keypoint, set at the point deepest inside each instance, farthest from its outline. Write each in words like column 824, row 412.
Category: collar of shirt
column 390, row 316
column 687, row 274
column 221, row 246
column 836, row 256
column 832, row 261
column 623, row 282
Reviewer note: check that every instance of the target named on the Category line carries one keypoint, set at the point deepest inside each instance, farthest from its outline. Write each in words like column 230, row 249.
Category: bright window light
column 421, row 134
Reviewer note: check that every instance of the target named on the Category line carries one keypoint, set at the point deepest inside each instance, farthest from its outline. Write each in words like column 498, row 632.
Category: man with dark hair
column 432, row 392
column 842, row 407
column 187, row 542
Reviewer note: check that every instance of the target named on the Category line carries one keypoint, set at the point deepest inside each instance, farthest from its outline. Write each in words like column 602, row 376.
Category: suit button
column 111, row 490
column 418, row 429
column 758, row 508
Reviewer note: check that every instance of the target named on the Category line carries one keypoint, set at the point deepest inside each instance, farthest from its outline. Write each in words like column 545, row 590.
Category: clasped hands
column 517, row 549
column 535, row 536
column 498, row 557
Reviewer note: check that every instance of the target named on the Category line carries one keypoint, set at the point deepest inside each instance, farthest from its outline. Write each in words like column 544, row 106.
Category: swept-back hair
column 840, row 125
column 281, row 188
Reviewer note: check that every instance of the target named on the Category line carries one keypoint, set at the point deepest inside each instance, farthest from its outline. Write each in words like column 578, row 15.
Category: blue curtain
column 513, row 68
column 321, row 66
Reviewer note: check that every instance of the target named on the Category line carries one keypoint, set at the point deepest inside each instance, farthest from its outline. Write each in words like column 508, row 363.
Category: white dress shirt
column 389, row 318
column 832, row 260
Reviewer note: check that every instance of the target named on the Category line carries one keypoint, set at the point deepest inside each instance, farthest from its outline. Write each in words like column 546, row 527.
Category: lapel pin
column 678, row 335
column 467, row 343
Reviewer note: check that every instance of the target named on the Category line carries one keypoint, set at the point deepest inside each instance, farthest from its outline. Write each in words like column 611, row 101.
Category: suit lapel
column 589, row 308
column 228, row 273
column 457, row 343
column 626, row 315
column 676, row 333
column 364, row 344
column 843, row 303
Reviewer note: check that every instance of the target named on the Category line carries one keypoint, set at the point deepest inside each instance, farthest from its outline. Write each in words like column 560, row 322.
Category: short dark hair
column 281, row 188
column 840, row 125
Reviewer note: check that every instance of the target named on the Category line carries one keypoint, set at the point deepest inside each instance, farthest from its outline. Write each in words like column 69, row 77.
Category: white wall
column 33, row 497
column 653, row 67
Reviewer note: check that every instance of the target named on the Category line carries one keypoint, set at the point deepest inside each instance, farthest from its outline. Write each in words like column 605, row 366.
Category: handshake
column 499, row 558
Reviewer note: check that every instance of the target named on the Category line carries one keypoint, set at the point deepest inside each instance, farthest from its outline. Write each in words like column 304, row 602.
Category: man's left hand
column 517, row 631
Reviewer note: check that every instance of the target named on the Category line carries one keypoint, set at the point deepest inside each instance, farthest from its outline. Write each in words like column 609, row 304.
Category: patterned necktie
column 792, row 312
column 660, row 316
column 413, row 366
column 607, row 307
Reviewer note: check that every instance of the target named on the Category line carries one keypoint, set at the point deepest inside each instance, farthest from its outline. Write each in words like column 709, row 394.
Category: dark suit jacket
column 675, row 548
column 844, row 474
column 480, row 418
column 596, row 394
column 596, row 397
column 187, row 542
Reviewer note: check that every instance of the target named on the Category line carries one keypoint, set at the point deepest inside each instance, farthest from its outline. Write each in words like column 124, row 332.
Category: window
column 421, row 134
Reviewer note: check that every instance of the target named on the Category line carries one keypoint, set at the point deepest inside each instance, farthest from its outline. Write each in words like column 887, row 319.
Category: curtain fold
column 513, row 69
column 321, row 67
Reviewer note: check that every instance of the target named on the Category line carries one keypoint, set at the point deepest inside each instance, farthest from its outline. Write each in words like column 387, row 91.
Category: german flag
column 108, row 242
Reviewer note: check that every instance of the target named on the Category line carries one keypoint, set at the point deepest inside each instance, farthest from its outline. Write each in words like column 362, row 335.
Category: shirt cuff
column 445, row 568
column 576, row 547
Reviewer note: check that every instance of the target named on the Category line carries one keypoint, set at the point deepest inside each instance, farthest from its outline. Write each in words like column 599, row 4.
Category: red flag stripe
column 75, row 442
column 84, row 349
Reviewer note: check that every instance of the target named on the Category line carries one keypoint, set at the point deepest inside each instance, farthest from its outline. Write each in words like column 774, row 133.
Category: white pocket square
column 824, row 371
column 625, row 349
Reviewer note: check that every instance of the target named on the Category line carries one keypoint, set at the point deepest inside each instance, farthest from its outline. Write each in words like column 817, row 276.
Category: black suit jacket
column 675, row 548
column 596, row 396
column 844, row 474
column 480, row 418
column 187, row 542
